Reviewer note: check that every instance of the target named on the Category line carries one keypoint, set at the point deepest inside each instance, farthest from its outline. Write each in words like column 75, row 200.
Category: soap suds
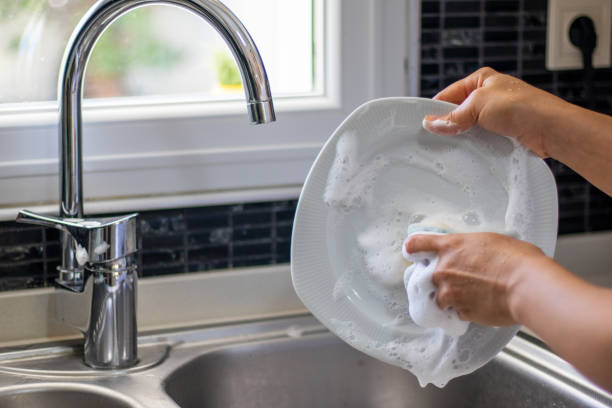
column 295, row 331
column 422, row 293
column 101, row 248
column 350, row 183
column 81, row 255
column 519, row 205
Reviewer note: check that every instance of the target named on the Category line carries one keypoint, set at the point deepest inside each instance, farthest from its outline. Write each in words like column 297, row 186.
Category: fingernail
column 405, row 252
column 440, row 126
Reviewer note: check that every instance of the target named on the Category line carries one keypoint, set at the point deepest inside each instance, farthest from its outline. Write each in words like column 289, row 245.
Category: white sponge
column 421, row 291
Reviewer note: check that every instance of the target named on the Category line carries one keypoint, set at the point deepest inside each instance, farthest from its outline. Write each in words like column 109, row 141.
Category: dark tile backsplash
column 172, row 241
column 457, row 38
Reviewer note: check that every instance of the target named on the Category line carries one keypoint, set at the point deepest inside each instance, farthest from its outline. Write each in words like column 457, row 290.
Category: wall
column 457, row 38
column 510, row 36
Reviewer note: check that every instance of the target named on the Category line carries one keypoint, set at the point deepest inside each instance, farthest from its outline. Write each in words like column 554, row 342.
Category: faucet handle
column 97, row 240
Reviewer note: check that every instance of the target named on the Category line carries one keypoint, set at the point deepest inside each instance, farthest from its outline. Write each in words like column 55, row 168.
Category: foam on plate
column 353, row 186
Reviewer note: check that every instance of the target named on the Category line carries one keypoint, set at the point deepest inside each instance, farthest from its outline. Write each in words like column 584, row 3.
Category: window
column 153, row 43
column 184, row 139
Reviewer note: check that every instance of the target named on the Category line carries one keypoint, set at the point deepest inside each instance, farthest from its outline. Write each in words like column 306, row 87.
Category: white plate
column 466, row 172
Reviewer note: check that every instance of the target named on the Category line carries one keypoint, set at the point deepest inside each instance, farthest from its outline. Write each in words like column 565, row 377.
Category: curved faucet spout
column 105, row 248
column 80, row 45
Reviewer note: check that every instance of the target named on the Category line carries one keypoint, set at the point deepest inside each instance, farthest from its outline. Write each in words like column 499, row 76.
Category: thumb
column 422, row 243
column 459, row 120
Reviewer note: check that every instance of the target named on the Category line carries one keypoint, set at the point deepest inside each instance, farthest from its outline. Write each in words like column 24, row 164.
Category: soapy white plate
column 466, row 174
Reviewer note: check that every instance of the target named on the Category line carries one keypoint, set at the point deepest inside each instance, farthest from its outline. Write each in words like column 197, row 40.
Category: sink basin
column 322, row 371
column 285, row 362
column 64, row 396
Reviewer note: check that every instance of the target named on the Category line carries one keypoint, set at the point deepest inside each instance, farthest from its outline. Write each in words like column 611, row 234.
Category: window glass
column 156, row 50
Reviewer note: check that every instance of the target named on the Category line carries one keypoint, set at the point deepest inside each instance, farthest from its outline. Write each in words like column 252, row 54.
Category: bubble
column 471, row 218
column 419, row 217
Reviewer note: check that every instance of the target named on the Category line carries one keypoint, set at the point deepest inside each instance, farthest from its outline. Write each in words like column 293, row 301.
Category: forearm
column 572, row 316
column 581, row 139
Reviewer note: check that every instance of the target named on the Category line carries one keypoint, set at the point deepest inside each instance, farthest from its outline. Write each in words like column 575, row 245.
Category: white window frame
column 141, row 156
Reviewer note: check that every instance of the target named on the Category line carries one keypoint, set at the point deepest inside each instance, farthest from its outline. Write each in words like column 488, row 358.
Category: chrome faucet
column 98, row 254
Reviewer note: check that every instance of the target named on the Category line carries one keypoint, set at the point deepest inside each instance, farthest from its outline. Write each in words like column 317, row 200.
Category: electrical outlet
column 560, row 52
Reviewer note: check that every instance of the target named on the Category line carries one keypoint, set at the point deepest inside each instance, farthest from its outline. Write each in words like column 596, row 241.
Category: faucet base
column 111, row 337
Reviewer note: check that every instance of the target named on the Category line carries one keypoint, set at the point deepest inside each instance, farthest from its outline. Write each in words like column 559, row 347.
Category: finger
column 444, row 298
column 463, row 314
column 457, row 121
column 423, row 243
column 458, row 91
column 438, row 277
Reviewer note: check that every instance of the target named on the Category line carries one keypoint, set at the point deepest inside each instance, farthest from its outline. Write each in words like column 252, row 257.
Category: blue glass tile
column 506, row 66
column 430, row 7
column 535, row 5
column 501, row 21
column 162, row 240
column 252, row 261
column 251, row 233
column 500, row 51
column 161, row 221
column 22, row 253
column 462, row 6
column 253, row 249
column 208, row 253
column 163, row 256
column 461, row 38
column 430, row 22
column 163, row 270
column 430, row 69
column 430, row 38
column 208, row 266
column 460, row 52
column 251, row 218
column 494, row 6
column 14, row 234
column 284, row 232
column 429, row 53
column 462, row 22
column 216, row 236
column 534, row 35
column 500, row 36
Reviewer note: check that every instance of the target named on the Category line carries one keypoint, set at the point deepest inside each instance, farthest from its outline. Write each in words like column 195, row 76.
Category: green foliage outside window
column 227, row 71
column 111, row 59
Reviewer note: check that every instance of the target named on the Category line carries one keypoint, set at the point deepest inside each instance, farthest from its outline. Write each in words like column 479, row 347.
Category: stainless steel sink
column 288, row 362
column 62, row 396
column 322, row 371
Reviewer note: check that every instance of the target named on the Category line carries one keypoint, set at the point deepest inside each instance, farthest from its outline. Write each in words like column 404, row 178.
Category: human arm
column 544, row 123
column 496, row 280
